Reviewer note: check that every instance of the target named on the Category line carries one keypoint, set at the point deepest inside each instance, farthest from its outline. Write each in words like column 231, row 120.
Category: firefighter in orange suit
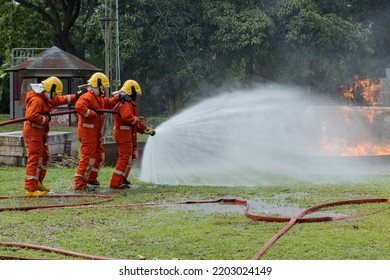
column 39, row 102
column 90, row 128
column 126, row 125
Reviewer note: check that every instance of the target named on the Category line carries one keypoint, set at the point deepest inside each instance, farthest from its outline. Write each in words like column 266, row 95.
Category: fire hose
column 300, row 218
column 151, row 131
column 62, row 112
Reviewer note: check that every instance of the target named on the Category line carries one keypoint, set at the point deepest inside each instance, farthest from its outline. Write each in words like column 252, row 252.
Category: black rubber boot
column 94, row 183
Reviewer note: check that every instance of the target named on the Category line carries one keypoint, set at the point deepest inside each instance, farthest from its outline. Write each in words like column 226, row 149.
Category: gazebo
column 51, row 62
column 33, row 69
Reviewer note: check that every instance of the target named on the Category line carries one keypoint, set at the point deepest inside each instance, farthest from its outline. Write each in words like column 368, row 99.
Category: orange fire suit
column 126, row 125
column 35, row 131
column 90, row 128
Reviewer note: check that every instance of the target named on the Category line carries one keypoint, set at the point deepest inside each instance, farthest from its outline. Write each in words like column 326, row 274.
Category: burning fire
column 364, row 92
column 361, row 92
column 342, row 147
column 363, row 149
column 367, row 149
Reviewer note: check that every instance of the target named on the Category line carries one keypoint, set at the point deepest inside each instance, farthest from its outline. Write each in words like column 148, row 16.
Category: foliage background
column 182, row 51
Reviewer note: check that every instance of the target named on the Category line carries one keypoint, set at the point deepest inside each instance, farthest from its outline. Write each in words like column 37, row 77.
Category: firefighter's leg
column 119, row 175
column 87, row 160
column 43, row 168
column 99, row 159
column 133, row 159
column 34, row 150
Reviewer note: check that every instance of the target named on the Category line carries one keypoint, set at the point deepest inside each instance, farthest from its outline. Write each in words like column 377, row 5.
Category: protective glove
column 142, row 125
column 80, row 93
column 93, row 110
column 150, row 131
column 124, row 97
column 48, row 117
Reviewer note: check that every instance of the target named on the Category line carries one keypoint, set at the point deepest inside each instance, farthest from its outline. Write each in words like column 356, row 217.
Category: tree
column 241, row 30
column 373, row 17
column 19, row 29
column 181, row 50
column 316, row 48
column 16, row 23
column 62, row 17
column 165, row 45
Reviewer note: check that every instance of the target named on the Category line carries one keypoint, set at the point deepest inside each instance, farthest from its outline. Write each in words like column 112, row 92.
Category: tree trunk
column 249, row 70
column 174, row 101
column 63, row 42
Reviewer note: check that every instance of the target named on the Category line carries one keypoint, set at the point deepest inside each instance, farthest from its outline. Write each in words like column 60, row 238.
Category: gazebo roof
column 54, row 59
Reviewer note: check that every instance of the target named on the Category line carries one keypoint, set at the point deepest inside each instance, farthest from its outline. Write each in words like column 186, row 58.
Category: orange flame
column 366, row 149
column 367, row 90
column 368, row 93
column 341, row 147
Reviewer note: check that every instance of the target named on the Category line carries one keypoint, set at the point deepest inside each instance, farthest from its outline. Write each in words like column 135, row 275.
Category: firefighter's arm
column 83, row 108
column 33, row 112
column 143, row 128
column 64, row 99
column 109, row 103
column 127, row 115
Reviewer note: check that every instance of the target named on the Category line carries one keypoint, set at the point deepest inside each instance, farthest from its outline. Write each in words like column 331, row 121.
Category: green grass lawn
column 196, row 231
column 200, row 231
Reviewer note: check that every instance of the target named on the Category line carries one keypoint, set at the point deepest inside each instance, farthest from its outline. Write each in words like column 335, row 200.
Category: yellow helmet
column 99, row 79
column 131, row 86
column 53, row 85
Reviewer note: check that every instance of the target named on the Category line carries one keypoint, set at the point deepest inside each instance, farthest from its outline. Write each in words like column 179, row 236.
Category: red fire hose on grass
column 300, row 218
column 291, row 221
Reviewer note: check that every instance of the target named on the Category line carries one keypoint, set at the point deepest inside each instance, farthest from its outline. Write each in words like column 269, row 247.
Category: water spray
column 266, row 136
